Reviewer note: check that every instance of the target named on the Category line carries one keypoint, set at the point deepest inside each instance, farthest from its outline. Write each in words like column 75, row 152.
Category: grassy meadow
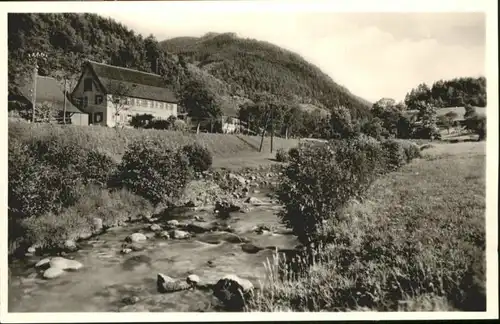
column 416, row 243
column 114, row 142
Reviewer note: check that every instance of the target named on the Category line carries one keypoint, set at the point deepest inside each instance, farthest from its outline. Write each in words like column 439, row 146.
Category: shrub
column 477, row 125
column 41, row 178
column 152, row 171
column 411, row 150
column 180, row 126
column 281, row 155
column 395, row 154
column 47, row 174
column 321, row 180
column 293, row 153
column 97, row 168
column 159, row 124
column 199, row 157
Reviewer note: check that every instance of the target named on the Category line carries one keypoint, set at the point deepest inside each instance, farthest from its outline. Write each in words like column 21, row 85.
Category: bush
column 395, row 154
column 411, row 150
column 199, row 157
column 322, row 179
column 97, row 168
column 159, row 124
column 152, row 171
column 41, row 178
column 47, row 175
column 293, row 153
column 281, row 155
column 180, row 126
column 477, row 125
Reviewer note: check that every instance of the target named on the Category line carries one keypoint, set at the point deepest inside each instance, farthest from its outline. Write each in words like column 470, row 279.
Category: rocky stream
column 181, row 260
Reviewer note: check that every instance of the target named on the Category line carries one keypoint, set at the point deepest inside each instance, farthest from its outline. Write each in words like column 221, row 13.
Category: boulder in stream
column 136, row 237
column 251, row 248
column 155, row 227
column 164, row 235
column 65, row 264
column 193, row 280
column 52, row 273
column 233, row 291
column 253, row 201
column 97, row 225
column 70, row 245
column 166, row 284
column 178, row 234
column 173, row 223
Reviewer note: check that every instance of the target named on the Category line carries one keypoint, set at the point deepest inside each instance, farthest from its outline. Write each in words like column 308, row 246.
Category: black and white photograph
column 277, row 158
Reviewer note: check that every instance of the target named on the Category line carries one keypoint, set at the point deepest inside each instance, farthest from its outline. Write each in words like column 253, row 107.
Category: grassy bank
column 415, row 243
column 114, row 142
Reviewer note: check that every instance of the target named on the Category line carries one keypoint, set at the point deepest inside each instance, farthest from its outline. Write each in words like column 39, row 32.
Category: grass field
column 114, row 142
column 416, row 243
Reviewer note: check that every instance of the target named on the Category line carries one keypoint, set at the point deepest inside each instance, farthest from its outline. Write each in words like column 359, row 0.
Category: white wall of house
column 102, row 110
column 135, row 106
column 230, row 125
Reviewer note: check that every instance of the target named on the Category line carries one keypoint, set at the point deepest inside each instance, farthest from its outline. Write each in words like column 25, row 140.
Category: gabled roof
column 139, row 84
column 48, row 90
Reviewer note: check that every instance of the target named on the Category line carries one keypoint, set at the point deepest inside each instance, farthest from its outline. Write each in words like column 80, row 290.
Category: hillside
column 70, row 38
column 234, row 70
column 244, row 69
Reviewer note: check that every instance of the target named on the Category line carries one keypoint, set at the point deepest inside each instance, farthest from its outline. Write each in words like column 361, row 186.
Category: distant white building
column 103, row 89
column 230, row 125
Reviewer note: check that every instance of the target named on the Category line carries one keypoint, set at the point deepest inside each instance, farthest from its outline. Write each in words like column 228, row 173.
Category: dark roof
column 48, row 90
column 140, row 84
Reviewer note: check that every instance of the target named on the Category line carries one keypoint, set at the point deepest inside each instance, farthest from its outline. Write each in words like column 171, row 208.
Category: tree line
column 451, row 93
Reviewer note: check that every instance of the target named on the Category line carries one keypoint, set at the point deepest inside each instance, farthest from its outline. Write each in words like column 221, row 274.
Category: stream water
column 111, row 281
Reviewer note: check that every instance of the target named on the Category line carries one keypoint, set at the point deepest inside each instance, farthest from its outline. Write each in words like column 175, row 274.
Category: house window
column 98, row 117
column 128, row 101
column 87, row 84
column 139, row 102
column 85, row 102
column 98, row 99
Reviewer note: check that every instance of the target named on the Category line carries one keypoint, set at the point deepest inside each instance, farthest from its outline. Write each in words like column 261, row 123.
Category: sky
column 374, row 55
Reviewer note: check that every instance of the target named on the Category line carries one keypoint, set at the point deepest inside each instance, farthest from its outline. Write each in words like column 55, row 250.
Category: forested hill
column 69, row 39
column 250, row 68
column 235, row 70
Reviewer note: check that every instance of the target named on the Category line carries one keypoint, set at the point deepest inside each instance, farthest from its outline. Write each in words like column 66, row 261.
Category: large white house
column 111, row 95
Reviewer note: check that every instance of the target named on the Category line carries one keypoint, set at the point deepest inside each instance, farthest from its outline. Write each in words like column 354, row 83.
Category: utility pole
column 272, row 127
column 33, row 103
column 248, row 125
column 34, row 57
column 64, row 107
column 263, row 133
